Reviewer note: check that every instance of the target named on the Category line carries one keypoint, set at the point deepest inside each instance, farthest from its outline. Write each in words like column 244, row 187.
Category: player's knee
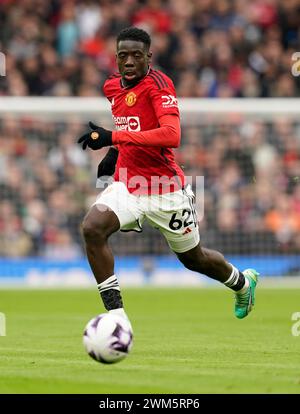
column 98, row 225
column 196, row 262
column 94, row 230
column 187, row 261
column 192, row 265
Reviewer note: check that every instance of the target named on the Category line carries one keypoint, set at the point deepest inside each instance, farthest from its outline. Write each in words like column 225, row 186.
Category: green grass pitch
column 186, row 341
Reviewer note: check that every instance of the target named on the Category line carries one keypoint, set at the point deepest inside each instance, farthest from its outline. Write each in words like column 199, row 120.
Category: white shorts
column 173, row 214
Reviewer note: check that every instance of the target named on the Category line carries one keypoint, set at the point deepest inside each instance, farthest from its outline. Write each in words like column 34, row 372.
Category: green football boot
column 244, row 302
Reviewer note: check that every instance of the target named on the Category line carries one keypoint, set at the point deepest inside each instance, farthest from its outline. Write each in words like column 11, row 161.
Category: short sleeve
column 111, row 86
column 164, row 100
column 107, row 90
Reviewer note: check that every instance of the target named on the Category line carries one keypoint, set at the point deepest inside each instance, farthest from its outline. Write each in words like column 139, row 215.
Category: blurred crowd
column 252, row 184
column 252, row 187
column 210, row 48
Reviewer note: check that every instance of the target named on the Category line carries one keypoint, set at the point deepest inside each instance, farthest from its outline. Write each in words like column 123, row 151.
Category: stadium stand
column 252, row 187
column 211, row 48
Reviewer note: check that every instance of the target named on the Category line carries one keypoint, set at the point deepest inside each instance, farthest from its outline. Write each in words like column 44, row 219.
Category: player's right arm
column 166, row 135
column 162, row 96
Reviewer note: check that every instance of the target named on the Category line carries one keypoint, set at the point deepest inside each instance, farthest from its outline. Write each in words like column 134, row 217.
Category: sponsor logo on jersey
column 127, row 123
column 169, row 101
column 130, row 99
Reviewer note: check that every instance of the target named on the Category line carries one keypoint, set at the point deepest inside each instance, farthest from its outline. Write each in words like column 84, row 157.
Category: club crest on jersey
column 130, row 99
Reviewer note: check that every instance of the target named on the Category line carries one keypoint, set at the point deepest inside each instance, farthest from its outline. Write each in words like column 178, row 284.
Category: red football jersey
column 138, row 109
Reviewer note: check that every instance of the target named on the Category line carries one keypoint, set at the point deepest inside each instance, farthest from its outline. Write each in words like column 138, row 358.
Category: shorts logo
column 169, row 101
column 127, row 123
column 130, row 99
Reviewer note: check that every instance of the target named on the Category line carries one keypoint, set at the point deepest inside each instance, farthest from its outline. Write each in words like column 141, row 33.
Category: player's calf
column 205, row 261
column 213, row 264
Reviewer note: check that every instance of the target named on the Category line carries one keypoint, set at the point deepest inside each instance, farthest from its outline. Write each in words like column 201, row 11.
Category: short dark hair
column 134, row 33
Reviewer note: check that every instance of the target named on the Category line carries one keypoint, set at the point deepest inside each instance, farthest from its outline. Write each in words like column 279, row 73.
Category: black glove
column 98, row 138
column 108, row 164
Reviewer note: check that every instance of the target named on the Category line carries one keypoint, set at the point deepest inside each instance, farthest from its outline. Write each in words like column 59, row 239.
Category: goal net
column 248, row 152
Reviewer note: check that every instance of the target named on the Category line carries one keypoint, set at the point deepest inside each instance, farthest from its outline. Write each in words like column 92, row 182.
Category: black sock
column 111, row 299
column 110, row 293
column 240, row 282
column 236, row 280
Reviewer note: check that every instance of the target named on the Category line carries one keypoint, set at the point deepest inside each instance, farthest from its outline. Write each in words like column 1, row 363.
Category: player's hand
column 97, row 138
column 108, row 165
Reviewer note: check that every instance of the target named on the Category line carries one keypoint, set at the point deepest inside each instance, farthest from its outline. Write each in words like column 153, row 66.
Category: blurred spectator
column 210, row 48
column 60, row 245
column 14, row 242
column 284, row 221
column 67, row 31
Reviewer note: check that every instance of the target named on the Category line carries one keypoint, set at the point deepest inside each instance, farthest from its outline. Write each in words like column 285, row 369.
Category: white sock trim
column 119, row 312
column 233, row 278
column 109, row 283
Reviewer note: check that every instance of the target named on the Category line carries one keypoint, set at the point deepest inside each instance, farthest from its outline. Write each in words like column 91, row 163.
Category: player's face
column 133, row 60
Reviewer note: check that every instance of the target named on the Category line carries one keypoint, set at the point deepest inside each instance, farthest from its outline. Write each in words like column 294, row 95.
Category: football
column 108, row 338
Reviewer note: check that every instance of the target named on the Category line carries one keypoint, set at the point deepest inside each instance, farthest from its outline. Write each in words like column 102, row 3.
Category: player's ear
column 149, row 55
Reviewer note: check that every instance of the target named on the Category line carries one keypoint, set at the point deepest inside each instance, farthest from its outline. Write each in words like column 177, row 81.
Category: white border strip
column 49, row 105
